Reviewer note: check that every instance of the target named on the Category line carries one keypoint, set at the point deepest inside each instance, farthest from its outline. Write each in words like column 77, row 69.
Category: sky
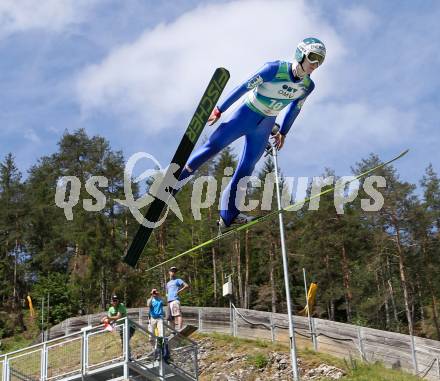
column 133, row 71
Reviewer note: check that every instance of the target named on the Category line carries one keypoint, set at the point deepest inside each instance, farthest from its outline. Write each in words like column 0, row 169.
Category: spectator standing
column 174, row 287
column 156, row 313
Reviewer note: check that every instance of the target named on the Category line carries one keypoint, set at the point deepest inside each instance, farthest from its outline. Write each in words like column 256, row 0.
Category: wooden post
column 200, row 320
column 314, row 335
column 272, row 327
column 413, row 354
column 361, row 344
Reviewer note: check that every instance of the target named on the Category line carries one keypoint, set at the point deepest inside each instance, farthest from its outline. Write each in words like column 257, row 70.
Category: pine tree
column 13, row 256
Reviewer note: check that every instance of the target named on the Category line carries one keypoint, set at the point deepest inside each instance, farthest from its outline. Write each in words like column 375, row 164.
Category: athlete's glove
column 215, row 115
column 275, row 132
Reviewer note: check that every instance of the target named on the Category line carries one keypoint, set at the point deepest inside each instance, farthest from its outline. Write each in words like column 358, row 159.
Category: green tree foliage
column 12, row 254
column 54, row 294
column 376, row 267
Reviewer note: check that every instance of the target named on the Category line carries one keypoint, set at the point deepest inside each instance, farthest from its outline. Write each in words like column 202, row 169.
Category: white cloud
column 368, row 102
column 358, row 18
column 329, row 133
column 32, row 136
column 22, row 15
column 153, row 83
column 358, row 124
column 158, row 78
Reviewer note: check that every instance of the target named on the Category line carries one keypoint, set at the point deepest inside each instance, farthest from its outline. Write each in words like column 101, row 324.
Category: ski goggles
column 315, row 58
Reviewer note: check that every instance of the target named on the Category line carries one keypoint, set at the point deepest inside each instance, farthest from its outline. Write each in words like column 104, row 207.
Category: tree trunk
column 103, row 288
column 419, row 292
column 331, row 309
column 112, row 213
column 431, row 292
column 434, row 311
column 214, row 260
column 126, row 234
column 272, row 276
column 390, row 287
column 403, row 278
column 346, row 277
column 331, row 302
column 246, row 274
column 161, row 247
column 15, row 304
column 214, row 274
column 385, row 300
column 14, row 296
column 222, row 273
column 239, row 278
column 233, row 266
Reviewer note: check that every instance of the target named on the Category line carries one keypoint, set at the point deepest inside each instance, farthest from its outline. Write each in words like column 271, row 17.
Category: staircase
column 130, row 352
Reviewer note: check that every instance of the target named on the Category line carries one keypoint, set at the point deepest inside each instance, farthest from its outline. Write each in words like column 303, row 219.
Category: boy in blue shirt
column 156, row 314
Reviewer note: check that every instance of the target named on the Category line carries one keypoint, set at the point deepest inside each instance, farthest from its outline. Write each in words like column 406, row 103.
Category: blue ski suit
column 271, row 89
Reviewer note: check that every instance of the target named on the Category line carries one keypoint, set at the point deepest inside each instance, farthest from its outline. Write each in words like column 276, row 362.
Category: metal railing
column 183, row 352
column 340, row 339
column 129, row 349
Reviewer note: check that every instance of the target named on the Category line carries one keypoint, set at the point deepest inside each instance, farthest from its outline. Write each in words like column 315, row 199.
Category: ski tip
column 223, row 71
column 404, row 152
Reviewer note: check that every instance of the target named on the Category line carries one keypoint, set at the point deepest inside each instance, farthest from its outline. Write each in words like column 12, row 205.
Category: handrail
column 428, row 368
column 50, row 341
column 188, row 371
column 284, row 327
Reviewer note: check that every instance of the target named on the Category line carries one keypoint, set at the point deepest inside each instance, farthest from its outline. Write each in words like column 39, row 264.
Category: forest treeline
column 377, row 269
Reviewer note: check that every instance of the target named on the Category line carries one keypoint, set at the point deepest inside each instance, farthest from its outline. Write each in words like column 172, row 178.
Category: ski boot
column 241, row 219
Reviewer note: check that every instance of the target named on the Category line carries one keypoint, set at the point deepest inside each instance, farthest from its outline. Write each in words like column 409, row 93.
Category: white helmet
column 313, row 49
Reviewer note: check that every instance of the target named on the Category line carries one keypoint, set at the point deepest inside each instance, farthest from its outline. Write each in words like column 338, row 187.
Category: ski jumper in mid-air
column 275, row 86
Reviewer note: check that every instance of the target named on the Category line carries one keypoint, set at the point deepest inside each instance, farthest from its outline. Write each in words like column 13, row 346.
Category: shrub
column 259, row 360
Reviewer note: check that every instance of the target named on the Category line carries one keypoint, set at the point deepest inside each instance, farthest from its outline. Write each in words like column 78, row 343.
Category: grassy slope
column 258, row 350
column 21, row 340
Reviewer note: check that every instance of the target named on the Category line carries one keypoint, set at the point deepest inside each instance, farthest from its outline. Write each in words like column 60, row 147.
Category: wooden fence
column 419, row 356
